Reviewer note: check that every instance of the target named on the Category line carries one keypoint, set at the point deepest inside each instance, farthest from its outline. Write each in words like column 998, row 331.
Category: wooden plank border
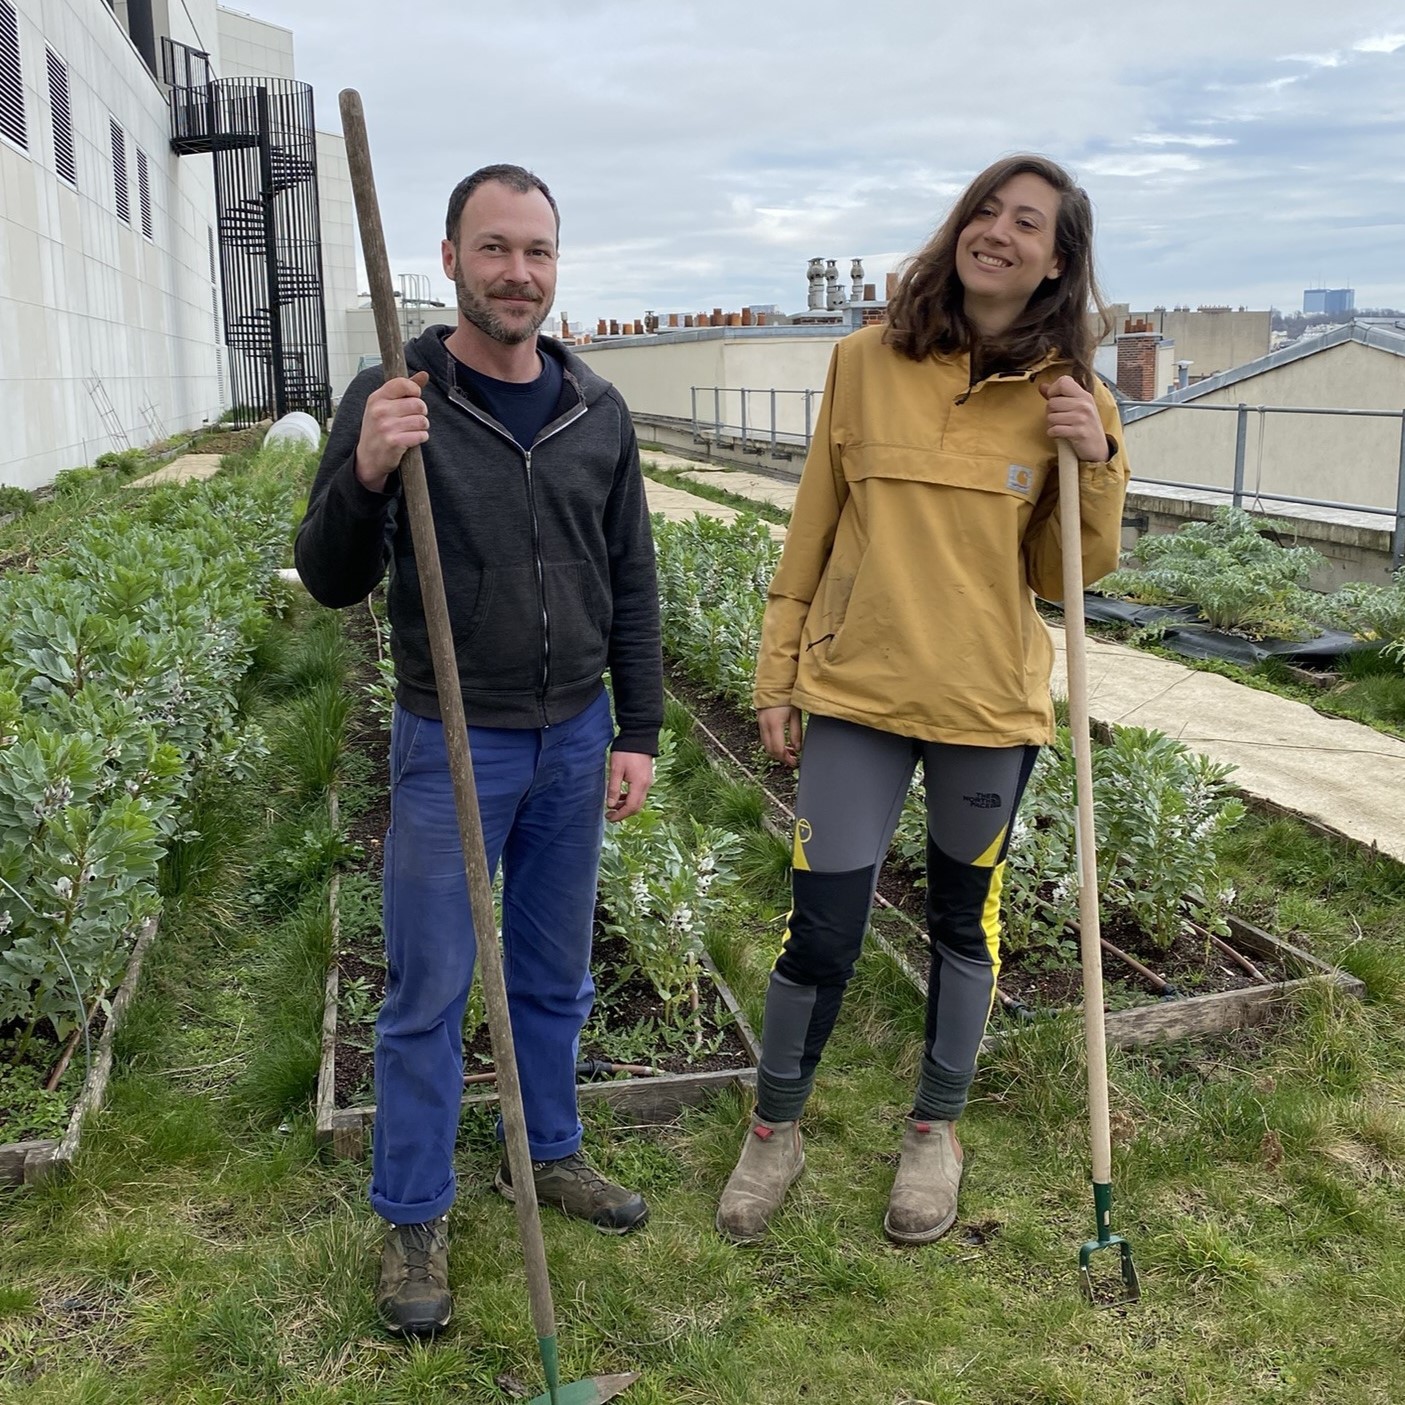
column 30, row 1162
column 650, row 1101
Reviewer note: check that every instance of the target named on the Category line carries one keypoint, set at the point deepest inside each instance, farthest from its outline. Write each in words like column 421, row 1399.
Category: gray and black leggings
column 853, row 781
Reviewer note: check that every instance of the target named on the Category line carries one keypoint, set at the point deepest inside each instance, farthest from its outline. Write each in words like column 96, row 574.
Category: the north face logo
column 983, row 800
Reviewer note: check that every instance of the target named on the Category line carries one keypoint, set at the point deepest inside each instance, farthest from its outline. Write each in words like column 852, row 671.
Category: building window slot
column 61, row 114
column 144, row 193
column 119, row 172
column 12, row 123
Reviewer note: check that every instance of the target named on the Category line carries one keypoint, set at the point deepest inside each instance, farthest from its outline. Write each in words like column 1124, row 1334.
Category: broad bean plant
column 1161, row 813
column 662, row 876
column 119, row 660
column 1162, row 810
column 713, row 577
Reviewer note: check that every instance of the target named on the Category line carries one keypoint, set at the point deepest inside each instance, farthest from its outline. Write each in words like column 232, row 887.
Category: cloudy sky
column 1236, row 151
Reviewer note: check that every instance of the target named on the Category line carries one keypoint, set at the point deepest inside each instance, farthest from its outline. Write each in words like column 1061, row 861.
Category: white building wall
column 252, row 48
column 341, row 262
column 1332, row 458
column 656, row 375
column 92, row 312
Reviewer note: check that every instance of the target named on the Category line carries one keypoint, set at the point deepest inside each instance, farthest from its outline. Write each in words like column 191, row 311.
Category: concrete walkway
column 1343, row 775
column 676, row 505
column 181, row 470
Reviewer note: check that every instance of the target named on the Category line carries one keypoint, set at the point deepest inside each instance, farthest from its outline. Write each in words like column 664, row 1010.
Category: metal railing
column 762, row 428
column 798, row 424
column 1241, row 438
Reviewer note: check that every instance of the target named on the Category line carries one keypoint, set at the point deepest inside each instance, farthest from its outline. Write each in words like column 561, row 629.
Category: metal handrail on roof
column 763, row 429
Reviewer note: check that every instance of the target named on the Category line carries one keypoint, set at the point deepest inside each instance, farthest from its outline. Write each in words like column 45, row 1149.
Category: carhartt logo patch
column 1019, row 479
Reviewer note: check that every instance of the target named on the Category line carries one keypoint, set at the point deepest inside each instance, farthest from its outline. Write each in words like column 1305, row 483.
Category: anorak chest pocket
column 1018, row 474
column 1000, row 422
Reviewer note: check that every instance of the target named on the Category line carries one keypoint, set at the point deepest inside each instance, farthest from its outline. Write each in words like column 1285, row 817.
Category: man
column 543, row 528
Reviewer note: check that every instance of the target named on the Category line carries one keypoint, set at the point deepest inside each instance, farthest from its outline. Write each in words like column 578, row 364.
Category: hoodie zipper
column 457, row 397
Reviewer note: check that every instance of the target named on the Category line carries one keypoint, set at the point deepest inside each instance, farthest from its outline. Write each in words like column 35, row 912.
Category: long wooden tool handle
column 1076, row 655
column 446, row 676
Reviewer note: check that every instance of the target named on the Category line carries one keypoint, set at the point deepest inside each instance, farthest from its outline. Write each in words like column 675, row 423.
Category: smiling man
column 543, row 527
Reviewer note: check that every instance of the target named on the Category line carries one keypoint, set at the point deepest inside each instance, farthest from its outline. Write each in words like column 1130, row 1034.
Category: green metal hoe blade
column 591, row 1391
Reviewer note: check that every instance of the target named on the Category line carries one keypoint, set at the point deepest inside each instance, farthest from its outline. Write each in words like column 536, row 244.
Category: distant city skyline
column 703, row 153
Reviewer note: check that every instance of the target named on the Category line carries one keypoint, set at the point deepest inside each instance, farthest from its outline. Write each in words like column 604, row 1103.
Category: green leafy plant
column 15, row 501
column 662, row 880
column 1230, row 571
column 712, row 590
column 381, row 690
column 126, row 463
column 1162, row 814
column 1375, row 612
column 119, row 659
column 71, row 481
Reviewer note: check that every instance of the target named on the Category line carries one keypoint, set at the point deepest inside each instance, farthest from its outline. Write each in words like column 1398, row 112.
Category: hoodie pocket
column 502, row 643
column 580, row 611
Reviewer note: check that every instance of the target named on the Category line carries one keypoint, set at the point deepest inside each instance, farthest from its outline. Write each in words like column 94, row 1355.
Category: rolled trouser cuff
column 781, row 1099
column 941, row 1093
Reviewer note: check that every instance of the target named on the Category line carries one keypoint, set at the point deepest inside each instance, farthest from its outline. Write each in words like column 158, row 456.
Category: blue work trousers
column 541, row 794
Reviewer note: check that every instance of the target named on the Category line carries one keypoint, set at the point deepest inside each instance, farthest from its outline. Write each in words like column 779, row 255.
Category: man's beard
column 479, row 311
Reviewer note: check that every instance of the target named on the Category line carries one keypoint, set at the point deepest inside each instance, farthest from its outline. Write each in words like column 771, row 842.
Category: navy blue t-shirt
column 523, row 408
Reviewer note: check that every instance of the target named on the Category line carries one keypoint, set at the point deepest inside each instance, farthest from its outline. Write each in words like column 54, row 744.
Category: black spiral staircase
column 269, row 232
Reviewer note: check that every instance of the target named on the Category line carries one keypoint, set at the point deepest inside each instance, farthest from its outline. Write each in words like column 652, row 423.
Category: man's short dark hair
column 516, row 178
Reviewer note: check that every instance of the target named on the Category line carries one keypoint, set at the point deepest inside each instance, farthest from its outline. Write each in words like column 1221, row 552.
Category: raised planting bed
column 41, row 1158
column 1200, row 984
column 346, row 1113
column 634, row 1053
column 122, row 655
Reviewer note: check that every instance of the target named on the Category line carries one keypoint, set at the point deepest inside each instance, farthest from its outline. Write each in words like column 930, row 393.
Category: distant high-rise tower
column 1335, row 302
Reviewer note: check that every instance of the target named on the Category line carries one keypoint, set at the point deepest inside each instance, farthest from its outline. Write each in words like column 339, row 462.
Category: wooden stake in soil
column 1090, row 933
column 480, row 890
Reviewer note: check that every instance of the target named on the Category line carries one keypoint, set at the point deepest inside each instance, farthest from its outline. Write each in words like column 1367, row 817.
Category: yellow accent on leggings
column 987, row 859
column 797, row 855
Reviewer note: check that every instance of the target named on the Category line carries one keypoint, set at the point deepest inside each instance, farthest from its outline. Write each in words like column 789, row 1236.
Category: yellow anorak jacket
column 926, row 522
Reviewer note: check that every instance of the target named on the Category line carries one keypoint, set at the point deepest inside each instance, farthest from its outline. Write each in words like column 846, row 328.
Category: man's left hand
column 631, row 775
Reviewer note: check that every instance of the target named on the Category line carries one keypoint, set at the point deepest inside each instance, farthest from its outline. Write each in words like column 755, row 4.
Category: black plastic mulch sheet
column 1188, row 634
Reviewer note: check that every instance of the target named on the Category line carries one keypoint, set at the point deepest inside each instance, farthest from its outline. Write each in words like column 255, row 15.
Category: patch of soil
column 45, row 1049
column 1043, row 979
column 233, row 441
column 628, row 1024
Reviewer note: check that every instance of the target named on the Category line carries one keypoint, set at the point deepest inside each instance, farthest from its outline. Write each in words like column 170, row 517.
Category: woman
column 902, row 619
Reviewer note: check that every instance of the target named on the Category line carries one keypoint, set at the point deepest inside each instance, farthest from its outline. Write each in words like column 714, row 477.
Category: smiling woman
column 901, row 617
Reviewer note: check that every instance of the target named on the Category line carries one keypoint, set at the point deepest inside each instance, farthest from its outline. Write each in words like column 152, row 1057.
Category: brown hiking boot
column 576, row 1188
column 770, row 1162
column 922, row 1206
column 413, row 1295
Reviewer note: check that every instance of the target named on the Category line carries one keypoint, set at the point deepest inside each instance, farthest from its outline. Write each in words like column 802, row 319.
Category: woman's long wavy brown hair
column 926, row 314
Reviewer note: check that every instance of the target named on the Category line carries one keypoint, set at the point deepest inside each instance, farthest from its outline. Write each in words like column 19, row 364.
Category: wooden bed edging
column 1222, row 1011
column 652, row 1101
column 30, row 1162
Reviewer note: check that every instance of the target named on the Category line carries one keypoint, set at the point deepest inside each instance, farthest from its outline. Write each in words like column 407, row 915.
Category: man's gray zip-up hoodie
column 547, row 554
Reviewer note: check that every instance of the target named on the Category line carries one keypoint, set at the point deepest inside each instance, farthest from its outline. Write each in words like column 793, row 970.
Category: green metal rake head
column 1131, row 1288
